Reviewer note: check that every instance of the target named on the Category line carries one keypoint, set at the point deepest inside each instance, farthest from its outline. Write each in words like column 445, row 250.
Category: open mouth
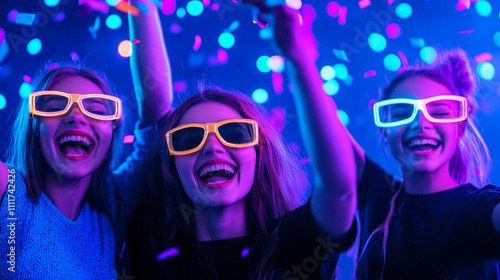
column 420, row 145
column 216, row 174
column 75, row 146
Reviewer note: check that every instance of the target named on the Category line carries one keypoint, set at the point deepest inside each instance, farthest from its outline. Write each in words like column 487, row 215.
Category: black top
column 444, row 235
column 304, row 251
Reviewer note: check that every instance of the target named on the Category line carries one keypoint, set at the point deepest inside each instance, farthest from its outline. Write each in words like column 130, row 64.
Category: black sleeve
column 375, row 182
column 481, row 209
column 305, row 249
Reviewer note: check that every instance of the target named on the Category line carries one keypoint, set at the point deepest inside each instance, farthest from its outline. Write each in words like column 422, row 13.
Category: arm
column 333, row 202
column 4, row 173
column 496, row 217
column 150, row 65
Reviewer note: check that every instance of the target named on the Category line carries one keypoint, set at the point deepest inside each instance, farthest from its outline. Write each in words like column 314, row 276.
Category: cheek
column 184, row 166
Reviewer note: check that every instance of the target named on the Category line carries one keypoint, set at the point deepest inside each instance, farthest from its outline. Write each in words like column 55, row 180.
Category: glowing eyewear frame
column 420, row 104
column 212, row 127
column 75, row 98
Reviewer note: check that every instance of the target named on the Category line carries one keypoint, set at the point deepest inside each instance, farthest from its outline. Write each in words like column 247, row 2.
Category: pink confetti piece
column 122, row 251
column 333, row 9
column 277, row 118
column 401, row 56
column 245, row 252
column 135, row 41
column 212, row 60
column 371, row 103
column 74, row 56
column 277, row 81
column 304, row 161
column 59, row 17
column 483, row 57
column 197, row 42
column 462, row 5
column 342, row 15
column 168, row 7
column 222, row 56
column 364, row 3
column 175, row 28
column 52, row 66
column 128, row 139
column 390, row 2
column 393, row 30
column 170, row 252
column 94, row 5
column 206, row 3
column 215, row 7
column 2, row 35
column 11, row 16
column 466, row 31
column 370, row 73
column 27, row 79
column 180, row 86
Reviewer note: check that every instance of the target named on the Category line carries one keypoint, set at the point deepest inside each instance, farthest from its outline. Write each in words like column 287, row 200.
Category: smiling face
column 75, row 145
column 215, row 175
column 422, row 146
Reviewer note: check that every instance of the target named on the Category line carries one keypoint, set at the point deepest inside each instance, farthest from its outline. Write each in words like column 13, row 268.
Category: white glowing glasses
column 438, row 109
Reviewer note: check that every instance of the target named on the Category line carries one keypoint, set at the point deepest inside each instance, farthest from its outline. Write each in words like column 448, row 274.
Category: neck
column 216, row 223
column 66, row 193
column 428, row 182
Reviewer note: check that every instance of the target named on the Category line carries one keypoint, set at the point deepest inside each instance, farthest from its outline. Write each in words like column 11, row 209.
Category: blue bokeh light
column 34, row 46
column 194, row 8
column 340, row 71
column 226, row 40
column 331, row 87
column 483, row 8
column 486, row 71
column 392, row 62
column 404, row 10
column 262, row 64
column 377, row 42
column 113, row 22
column 428, row 54
column 260, row 95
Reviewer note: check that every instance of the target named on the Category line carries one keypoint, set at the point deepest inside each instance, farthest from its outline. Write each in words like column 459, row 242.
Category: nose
column 75, row 116
column 212, row 145
column 420, row 122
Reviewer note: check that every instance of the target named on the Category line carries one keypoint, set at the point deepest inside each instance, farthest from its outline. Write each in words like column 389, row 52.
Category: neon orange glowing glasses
column 56, row 103
column 233, row 133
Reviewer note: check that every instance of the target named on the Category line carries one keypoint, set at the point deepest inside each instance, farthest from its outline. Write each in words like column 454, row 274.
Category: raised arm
column 150, row 65
column 328, row 144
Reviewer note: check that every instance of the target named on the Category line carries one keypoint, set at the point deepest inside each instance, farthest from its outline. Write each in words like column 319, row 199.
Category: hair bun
column 457, row 63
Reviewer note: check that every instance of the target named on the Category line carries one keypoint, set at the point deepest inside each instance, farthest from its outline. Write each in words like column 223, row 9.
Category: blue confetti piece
column 417, row 42
column 233, row 26
column 340, row 54
column 170, row 252
column 26, row 19
column 93, row 29
column 271, row 3
column 4, row 50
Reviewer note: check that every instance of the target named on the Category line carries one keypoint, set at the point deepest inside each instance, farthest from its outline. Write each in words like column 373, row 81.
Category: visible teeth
column 427, row 141
column 218, row 182
column 75, row 138
column 216, row 167
column 75, row 155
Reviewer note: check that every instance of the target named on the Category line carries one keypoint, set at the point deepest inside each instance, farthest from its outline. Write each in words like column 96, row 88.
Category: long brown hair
column 279, row 185
column 24, row 151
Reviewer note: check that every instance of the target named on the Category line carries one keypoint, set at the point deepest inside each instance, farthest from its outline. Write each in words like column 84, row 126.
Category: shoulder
column 4, row 173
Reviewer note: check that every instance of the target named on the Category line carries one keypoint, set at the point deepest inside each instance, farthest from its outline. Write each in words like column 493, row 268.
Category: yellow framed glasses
column 56, row 103
column 233, row 133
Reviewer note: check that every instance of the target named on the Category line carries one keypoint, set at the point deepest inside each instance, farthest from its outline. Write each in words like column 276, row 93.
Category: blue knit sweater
column 38, row 242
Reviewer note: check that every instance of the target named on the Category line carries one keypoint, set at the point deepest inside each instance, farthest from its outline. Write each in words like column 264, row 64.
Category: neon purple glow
column 170, row 252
